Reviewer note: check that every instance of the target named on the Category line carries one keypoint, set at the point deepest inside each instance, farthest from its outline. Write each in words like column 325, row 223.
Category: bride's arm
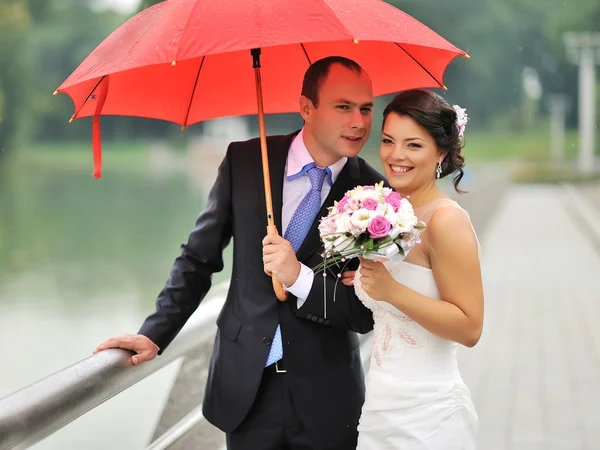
column 456, row 268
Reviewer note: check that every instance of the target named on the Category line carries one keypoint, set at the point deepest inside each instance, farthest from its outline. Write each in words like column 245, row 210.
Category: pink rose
column 352, row 205
column 379, row 227
column 327, row 226
column 342, row 203
column 394, row 199
column 370, row 204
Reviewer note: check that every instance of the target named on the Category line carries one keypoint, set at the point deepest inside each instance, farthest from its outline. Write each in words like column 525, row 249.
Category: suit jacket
column 322, row 357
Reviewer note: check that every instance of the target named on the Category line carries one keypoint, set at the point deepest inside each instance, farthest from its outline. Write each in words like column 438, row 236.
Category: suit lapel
column 348, row 178
column 277, row 159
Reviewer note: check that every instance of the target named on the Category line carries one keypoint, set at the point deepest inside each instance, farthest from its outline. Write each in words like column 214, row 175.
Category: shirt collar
column 299, row 161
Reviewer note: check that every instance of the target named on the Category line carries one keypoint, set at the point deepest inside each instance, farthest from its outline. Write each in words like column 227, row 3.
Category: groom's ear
column 306, row 108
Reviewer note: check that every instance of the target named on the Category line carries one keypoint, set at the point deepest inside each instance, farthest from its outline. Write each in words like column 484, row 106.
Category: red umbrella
column 186, row 61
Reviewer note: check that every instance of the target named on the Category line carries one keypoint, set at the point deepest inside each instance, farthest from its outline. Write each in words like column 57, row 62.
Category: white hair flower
column 461, row 119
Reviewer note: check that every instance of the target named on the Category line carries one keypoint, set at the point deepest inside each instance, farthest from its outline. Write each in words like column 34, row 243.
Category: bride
column 427, row 304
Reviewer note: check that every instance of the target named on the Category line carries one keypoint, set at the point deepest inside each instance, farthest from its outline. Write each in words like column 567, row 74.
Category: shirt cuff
column 301, row 288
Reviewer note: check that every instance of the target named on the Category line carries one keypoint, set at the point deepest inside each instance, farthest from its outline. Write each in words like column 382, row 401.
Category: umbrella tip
column 466, row 55
column 355, row 41
column 72, row 118
column 174, row 63
column 183, row 128
column 444, row 87
column 55, row 92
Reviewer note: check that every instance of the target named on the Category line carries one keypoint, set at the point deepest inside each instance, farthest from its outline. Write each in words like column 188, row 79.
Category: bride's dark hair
column 433, row 113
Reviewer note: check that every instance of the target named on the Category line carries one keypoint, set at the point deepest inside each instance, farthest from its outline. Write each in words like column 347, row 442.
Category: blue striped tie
column 295, row 233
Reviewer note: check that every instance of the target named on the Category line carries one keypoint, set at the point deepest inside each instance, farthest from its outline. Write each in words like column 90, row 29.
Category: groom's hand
column 348, row 277
column 280, row 260
column 144, row 348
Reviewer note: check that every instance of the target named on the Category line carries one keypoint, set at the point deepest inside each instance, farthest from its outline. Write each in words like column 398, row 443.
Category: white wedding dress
column 415, row 396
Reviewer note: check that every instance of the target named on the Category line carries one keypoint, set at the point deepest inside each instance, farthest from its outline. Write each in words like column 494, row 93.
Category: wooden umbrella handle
column 280, row 291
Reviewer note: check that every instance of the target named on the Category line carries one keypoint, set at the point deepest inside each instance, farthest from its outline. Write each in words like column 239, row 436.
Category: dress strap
column 425, row 212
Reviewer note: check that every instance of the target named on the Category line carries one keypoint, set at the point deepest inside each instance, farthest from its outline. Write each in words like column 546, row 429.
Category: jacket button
column 314, row 318
column 267, row 340
column 327, row 322
column 321, row 320
column 309, row 316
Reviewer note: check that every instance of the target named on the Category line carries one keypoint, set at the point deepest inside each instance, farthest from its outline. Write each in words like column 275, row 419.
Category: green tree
column 14, row 77
column 147, row 3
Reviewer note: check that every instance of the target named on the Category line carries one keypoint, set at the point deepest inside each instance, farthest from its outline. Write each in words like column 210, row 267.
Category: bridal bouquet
column 370, row 221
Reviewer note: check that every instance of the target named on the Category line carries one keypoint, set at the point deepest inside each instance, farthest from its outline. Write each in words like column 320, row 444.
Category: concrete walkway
column 535, row 375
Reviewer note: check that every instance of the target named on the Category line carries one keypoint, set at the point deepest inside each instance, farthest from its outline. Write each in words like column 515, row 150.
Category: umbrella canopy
column 186, row 61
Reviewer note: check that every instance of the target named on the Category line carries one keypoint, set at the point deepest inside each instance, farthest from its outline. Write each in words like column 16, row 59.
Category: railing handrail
column 35, row 412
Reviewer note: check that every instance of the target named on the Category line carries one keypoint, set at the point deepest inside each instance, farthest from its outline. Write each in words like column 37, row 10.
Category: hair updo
column 433, row 113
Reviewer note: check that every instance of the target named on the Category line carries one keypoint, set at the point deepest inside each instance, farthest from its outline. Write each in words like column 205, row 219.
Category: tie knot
column 317, row 176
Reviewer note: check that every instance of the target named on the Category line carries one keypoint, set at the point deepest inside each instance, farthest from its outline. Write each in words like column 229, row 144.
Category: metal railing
column 195, row 417
column 44, row 407
column 35, row 412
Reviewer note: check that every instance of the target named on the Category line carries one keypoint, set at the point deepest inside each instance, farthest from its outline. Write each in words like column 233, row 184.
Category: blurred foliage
column 148, row 3
column 503, row 38
column 15, row 61
column 43, row 41
column 553, row 173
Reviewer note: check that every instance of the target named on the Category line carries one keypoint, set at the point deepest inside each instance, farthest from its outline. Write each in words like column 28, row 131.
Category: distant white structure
column 220, row 132
column 206, row 150
column 584, row 49
column 531, row 83
column 558, row 105
column 122, row 6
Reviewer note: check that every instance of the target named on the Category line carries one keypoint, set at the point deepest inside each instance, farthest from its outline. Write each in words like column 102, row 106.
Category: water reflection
column 80, row 260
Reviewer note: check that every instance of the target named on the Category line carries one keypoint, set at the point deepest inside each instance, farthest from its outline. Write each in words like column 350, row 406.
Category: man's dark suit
column 321, row 353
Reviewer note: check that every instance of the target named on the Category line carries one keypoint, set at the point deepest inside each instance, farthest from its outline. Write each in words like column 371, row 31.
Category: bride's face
column 408, row 153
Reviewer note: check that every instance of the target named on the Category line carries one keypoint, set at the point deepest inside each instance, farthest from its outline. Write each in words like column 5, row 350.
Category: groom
column 282, row 374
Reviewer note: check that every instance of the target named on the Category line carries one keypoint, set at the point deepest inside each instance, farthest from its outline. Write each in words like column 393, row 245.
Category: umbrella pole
column 271, row 228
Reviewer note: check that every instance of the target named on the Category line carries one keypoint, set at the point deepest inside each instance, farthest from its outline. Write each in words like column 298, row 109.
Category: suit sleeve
column 345, row 311
column 201, row 256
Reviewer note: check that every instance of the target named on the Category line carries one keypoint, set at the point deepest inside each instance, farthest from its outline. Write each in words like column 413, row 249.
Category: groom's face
column 340, row 123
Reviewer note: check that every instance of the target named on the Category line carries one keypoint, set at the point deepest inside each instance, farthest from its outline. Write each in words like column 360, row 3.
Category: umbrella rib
column 193, row 92
column 88, row 97
column 305, row 53
column 421, row 66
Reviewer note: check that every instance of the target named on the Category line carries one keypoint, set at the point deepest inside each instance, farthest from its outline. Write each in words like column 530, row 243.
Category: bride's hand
column 348, row 277
column 376, row 280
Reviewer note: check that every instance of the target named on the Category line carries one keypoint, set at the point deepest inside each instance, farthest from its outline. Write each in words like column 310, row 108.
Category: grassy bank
column 531, row 148
column 121, row 156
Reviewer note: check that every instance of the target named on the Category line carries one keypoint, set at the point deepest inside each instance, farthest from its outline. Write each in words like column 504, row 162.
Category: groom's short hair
column 317, row 73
